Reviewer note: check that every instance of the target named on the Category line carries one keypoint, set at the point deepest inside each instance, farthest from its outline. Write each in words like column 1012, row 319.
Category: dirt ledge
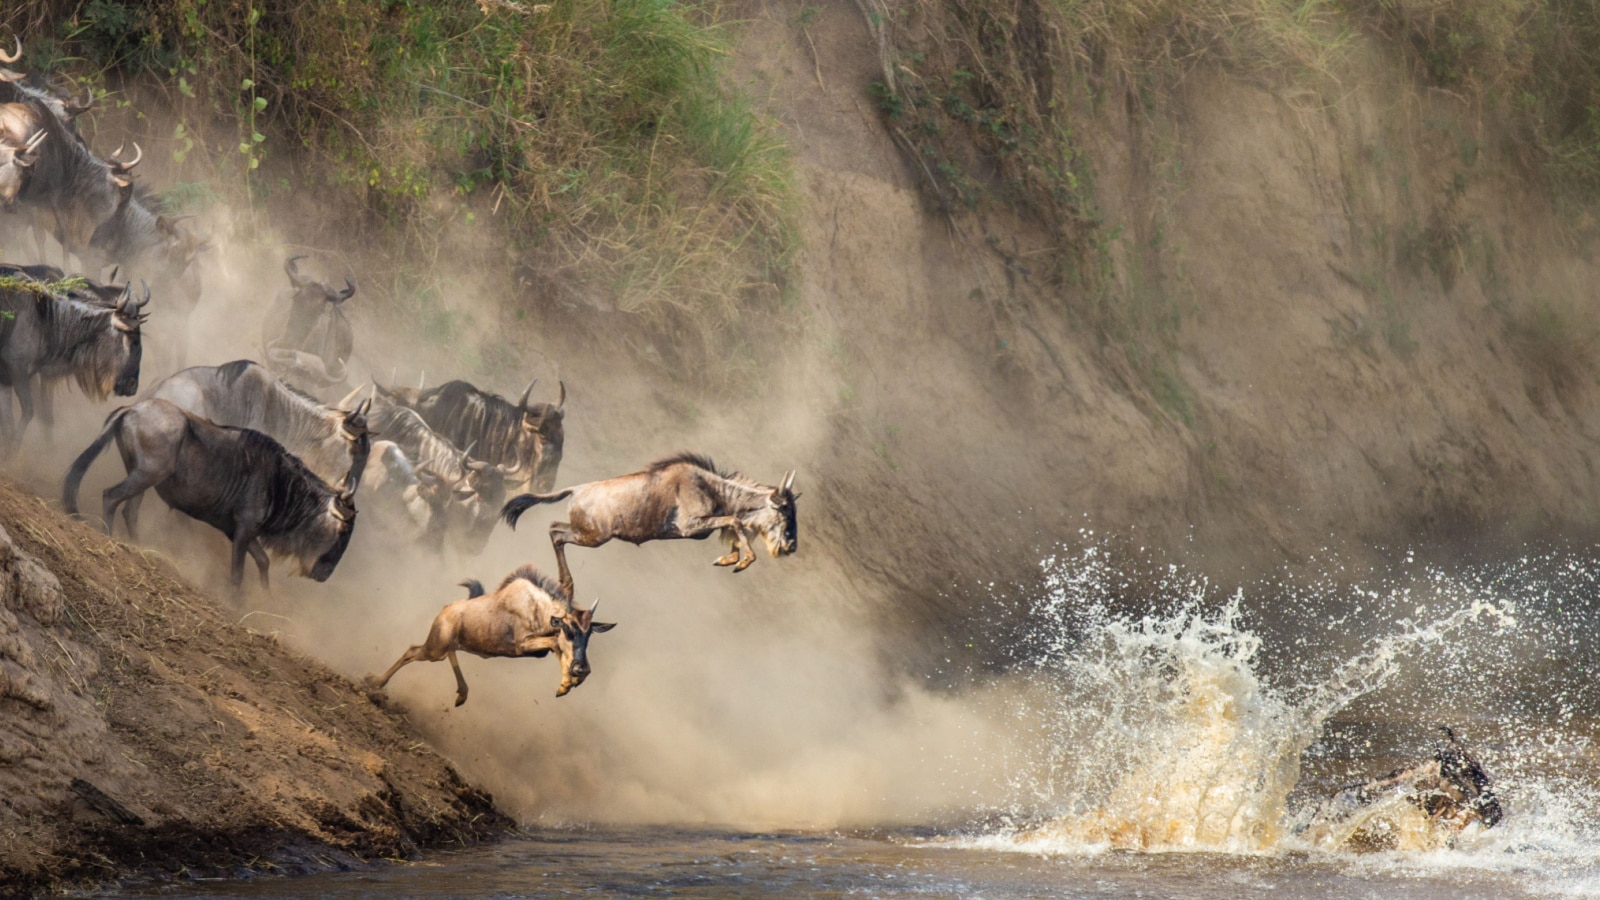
column 144, row 735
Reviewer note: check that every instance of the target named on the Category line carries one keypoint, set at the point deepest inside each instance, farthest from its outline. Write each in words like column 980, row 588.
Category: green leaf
column 244, row 148
column 184, row 88
column 257, row 137
column 260, row 103
column 246, row 85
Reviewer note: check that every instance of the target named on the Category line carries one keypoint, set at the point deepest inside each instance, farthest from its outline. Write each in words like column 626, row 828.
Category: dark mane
column 689, row 457
column 230, row 372
column 527, row 572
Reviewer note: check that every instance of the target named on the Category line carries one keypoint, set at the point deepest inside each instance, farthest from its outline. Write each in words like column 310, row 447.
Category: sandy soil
column 143, row 732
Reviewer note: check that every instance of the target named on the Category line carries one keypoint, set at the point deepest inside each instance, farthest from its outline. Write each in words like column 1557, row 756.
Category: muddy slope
column 141, row 730
column 1372, row 293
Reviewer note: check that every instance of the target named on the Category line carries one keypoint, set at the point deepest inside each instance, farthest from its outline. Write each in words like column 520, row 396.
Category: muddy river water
column 1177, row 750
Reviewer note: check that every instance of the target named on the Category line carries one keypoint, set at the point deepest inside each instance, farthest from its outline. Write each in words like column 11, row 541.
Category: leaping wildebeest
column 682, row 496
column 524, row 438
column 52, row 332
column 239, row 481
column 245, row 394
column 526, row 616
column 308, row 333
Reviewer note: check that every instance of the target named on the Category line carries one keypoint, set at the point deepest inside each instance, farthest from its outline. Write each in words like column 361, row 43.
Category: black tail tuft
column 474, row 588
column 515, row 507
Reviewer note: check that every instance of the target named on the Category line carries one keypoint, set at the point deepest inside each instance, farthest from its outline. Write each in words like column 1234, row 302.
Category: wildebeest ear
column 602, row 626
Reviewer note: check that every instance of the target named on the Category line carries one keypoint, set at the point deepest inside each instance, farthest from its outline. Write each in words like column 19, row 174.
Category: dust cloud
column 758, row 699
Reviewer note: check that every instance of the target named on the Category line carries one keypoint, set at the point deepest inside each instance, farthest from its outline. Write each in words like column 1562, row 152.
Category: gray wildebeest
column 245, row 394
column 473, row 489
column 525, row 439
column 151, row 246
column 53, row 330
column 306, row 335
column 526, row 616
column 682, row 496
column 240, row 482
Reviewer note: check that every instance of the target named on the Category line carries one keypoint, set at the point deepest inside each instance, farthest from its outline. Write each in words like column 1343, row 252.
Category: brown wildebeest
column 526, row 616
column 682, row 496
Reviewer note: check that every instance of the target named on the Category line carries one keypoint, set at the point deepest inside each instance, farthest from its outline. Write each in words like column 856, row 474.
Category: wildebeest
column 524, row 438
column 239, row 481
column 152, row 246
column 16, row 158
column 307, row 334
column 245, row 394
column 54, row 333
column 475, row 489
column 526, row 616
column 1421, row 806
column 682, row 496
column 420, row 498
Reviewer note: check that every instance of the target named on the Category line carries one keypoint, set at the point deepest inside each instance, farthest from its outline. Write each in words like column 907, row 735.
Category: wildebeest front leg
column 243, row 538
column 741, row 552
column 126, row 491
column 259, row 554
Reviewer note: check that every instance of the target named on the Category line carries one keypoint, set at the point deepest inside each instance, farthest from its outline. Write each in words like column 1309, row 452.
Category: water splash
column 1158, row 732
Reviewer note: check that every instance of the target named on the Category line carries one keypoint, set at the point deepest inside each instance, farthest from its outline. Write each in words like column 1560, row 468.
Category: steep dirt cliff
column 1378, row 312
column 142, row 732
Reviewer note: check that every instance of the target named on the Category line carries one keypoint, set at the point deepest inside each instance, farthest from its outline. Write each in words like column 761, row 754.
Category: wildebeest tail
column 521, row 503
column 69, row 487
column 474, row 588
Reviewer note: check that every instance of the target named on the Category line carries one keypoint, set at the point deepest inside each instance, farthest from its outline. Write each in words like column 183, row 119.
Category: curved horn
column 350, row 289
column 8, row 60
column 124, row 167
column 527, row 393
column 788, row 480
column 422, row 379
column 594, row 607
column 293, row 271
column 467, row 453
column 114, row 271
column 350, row 398
column 563, row 401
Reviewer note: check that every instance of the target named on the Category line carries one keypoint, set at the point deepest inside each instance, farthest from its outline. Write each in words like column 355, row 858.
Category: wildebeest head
column 572, row 644
column 543, row 434
column 14, row 164
column 126, row 317
column 353, row 428
column 316, row 319
column 777, row 521
column 331, row 534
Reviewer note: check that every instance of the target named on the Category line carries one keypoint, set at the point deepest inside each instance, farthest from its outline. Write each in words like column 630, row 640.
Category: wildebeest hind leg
column 130, row 516
column 561, row 534
column 125, row 491
column 415, row 653
column 461, row 682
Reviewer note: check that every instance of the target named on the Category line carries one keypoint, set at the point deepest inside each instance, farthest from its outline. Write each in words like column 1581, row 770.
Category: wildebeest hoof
column 744, row 564
column 460, row 699
column 728, row 560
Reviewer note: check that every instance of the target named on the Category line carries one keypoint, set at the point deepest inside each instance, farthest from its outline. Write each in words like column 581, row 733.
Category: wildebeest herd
column 265, row 454
column 274, row 453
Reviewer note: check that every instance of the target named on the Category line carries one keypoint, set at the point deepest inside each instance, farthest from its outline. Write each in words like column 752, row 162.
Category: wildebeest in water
column 54, row 333
column 524, row 438
column 682, row 496
column 240, row 482
column 526, row 616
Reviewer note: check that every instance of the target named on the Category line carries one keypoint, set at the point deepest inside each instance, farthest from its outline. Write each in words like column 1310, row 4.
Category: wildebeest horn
column 350, row 289
column 594, row 607
column 422, row 379
column 27, row 155
column 527, row 393
column 293, row 271
column 788, row 480
column 124, row 167
column 8, row 60
column 114, row 271
column 563, row 401
column 467, row 453
column 351, row 398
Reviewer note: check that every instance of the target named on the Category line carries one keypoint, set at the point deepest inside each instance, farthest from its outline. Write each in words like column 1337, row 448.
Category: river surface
column 1181, row 747
column 690, row 863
